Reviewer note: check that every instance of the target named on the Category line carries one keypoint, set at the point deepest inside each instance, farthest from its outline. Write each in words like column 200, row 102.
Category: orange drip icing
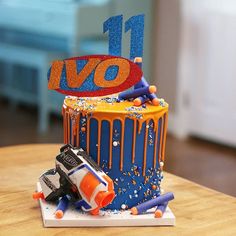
column 111, row 141
column 134, row 140
column 161, row 134
column 155, row 147
column 164, row 137
column 68, row 128
column 140, row 124
column 78, row 131
column 99, row 142
column 64, row 126
column 122, row 137
column 103, row 111
column 88, row 134
column 145, row 148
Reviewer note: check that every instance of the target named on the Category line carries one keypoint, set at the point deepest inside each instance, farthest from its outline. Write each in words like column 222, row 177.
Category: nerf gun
column 78, row 178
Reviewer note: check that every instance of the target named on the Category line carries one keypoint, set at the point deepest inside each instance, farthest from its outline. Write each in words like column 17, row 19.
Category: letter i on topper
column 100, row 75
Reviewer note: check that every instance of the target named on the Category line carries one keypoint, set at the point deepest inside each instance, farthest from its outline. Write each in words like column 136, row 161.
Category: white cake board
column 108, row 218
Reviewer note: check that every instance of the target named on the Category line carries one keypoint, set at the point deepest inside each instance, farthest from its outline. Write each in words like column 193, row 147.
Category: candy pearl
column 115, row 143
column 123, row 206
column 161, row 164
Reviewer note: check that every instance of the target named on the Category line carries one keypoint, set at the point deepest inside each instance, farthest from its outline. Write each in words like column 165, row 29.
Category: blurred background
column 189, row 53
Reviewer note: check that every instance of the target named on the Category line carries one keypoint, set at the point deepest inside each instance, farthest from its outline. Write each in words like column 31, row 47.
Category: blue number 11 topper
column 142, row 92
column 135, row 25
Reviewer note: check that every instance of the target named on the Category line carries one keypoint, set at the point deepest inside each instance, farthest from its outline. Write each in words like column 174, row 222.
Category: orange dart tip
column 138, row 60
column 38, row 195
column 95, row 212
column 134, row 211
column 152, row 89
column 137, row 102
column 158, row 214
column 155, row 102
column 59, row 214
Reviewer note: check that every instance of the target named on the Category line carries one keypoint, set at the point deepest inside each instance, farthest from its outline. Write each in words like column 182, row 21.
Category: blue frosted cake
column 128, row 143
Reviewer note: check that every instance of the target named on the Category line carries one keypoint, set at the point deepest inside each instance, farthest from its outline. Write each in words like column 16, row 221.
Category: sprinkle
column 154, row 187
column 122, row 179
column 115, row 143
column 123, row 190
column 146, row 179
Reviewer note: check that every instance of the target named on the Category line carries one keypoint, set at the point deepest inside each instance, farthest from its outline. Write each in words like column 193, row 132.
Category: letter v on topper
column 93, row 75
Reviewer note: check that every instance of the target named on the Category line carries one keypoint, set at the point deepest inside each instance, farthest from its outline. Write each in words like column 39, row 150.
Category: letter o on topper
column 122, row 74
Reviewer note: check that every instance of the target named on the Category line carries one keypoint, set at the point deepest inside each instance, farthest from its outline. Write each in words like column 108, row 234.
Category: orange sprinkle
column 154, row 187
column 59, row 214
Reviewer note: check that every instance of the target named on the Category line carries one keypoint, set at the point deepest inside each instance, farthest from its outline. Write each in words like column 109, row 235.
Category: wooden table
column 198, row 210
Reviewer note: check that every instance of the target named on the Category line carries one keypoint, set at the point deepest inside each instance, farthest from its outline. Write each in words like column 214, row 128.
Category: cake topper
column 93, row 75
column 100, row 75
column 135, row 25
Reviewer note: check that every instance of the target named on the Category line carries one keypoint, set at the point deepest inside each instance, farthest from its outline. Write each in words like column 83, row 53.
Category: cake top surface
column 111, row 105
column 108, row 108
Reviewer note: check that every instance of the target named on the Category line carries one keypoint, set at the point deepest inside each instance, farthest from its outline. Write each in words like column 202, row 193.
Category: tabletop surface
column 198, row 210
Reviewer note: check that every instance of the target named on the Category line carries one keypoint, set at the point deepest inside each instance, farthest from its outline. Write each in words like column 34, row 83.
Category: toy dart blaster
column 78, row 179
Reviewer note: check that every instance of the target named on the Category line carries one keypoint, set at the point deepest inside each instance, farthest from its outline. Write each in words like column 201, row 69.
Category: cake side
column 127, row 142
